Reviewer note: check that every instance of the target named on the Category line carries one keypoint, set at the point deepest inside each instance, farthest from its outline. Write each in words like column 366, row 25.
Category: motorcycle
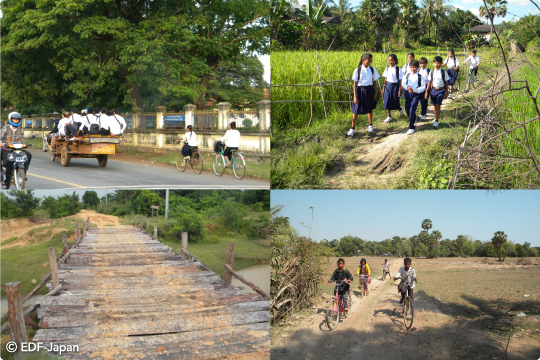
column 19, row 160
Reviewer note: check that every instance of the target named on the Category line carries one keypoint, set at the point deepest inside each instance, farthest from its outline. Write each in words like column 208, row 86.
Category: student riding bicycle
column 232, row 140
column 343, row 275
column 407, row 275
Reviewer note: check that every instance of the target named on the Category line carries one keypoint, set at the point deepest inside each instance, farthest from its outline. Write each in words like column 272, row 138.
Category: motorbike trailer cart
column 88, row 146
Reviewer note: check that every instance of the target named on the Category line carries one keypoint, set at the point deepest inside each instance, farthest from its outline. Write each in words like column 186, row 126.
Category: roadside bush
column 426, row 41
column 191, row 222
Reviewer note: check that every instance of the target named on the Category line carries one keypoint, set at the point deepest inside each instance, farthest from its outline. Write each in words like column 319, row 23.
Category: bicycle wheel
column 219, row 164
column 475, row 83
column 467, row 83
column 332, row 314
column 197, row 162
column 408, row 313
column 455, row 90
column 20, row 178
column 180, row 163
column 239, row 166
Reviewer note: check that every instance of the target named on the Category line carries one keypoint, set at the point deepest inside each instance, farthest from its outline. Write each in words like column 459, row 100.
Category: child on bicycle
column 474, row 63
column 364, row 272
column 232, row 138
column 191, row 142
column 407, row 275
column 344, row 275
column 386, row 268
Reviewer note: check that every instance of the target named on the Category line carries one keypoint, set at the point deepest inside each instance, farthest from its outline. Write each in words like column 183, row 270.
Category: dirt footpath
column 375, row 330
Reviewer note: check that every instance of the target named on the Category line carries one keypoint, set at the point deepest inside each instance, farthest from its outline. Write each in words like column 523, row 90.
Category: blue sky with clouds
column 380, row 214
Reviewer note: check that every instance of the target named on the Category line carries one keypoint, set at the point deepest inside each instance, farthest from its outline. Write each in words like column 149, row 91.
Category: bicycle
column 471, row 80
column 384, row 273
column 407, row 309
column 237, row 163
column 336, row 307
column 363, row 280
column 195, row 161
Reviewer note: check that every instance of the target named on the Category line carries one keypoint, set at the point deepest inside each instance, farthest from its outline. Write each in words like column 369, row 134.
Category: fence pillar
column 64, row 243
column 160, row 110
column 15, row 313
column 155, row 231
column 137, row 120
column 223, row 109
column 264, row 114
column 147, row 226
column 54, row 267
column 189, row 109
column 230, row 257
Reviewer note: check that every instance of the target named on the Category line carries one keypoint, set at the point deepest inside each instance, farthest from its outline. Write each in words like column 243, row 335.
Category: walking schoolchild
column 474, row 62
column 364, row 272
column 386, row 268
column 453, row 70
column 345, row 276
column 437, row 88
column 365, row 91
column 424, row 71
column 392, row 87
column 415, row 87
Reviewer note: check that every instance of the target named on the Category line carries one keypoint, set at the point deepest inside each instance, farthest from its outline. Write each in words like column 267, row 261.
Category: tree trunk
column 435, row 34
column 200, row 102
column 378, row 41
column 429, row 31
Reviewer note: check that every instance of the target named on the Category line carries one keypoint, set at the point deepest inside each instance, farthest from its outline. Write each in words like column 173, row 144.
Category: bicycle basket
column 217, row 147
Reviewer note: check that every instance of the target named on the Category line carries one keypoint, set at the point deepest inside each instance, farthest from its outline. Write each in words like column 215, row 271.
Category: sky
column 376, row 215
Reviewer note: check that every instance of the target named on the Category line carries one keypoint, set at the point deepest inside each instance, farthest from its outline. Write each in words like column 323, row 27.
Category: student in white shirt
column 386, row 268
column 424, row 71
column 406, row 68
column 474, row 63
column 407, row 275
column 65, row 126
column 453, row 70
column 392, row 87
column 105, row 122
column 415, row 87
column 437, row 88
column 365, row 91
column 119, row 120
column 75, row 118
column 232, row 140
column 84, row 127
column 190, row 138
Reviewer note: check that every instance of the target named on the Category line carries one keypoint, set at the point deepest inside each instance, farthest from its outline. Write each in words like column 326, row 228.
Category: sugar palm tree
column 426, row 225
column 428, row 14
column 341, row 8
column 383, row 14
column 498, row 240
column 493, row 8
column 407, row 18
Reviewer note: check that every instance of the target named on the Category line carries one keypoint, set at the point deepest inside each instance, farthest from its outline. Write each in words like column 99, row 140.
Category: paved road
column 85, row 173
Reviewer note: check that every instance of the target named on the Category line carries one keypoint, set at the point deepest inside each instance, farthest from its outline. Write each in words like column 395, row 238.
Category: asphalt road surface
column 85, row 173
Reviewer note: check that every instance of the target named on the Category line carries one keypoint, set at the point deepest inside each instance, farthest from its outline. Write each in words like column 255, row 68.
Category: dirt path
column 375, row 330
column 101, row 220
column 18, row 227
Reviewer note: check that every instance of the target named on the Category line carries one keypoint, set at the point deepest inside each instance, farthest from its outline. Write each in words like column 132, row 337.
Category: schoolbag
column 443, row 75
column 118, row 121
column 419, row 79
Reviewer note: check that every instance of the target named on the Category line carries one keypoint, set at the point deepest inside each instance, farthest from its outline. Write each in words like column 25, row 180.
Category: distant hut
column 483, row 30
column 332, row 20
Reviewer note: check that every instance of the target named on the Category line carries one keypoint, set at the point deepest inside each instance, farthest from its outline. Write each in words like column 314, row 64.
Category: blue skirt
column 437, row 96
column 391, row 99
column 452, row 76
column 366, row 102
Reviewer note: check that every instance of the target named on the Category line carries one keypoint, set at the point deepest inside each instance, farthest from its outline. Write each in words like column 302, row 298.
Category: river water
column 31, row 301
column 257, row 274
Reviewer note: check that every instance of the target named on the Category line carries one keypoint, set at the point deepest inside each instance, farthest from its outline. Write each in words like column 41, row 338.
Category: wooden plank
column 230, row 257
column 155, row 231
column 15, row 313
column 64, row 243
column 54, row 267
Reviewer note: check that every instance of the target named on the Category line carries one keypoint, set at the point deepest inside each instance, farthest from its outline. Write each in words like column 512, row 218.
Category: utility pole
column 167, row 204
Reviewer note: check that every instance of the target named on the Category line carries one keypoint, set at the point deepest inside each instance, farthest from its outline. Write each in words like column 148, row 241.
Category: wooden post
column 230, row 257
column 147, row 226
column 15, row 313
column 184, row 240
column 54, row 268
column 84, row 228
column 135, row 222
column 78, row 233
column 155, row 231
column 141, row 224
column 64, row 243
column 87, row 223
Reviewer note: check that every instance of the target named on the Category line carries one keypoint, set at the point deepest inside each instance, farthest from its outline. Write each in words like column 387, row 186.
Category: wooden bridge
column 125, row 295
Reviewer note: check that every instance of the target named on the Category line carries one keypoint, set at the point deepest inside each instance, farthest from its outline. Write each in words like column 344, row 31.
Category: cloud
column 475, row 12
column 471, row 1
column 519, row 2
column 458, row 6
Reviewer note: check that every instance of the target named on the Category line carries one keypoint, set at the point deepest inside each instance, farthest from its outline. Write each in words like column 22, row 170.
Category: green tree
column 426, row 225
column 383, row 15
column 396, row 244
column 231, row 214
column 407, row 20
column 144, row 200
column 21, row 203
column 341, row 8
column 90, row 199
column 493, row 8
column 498, row 240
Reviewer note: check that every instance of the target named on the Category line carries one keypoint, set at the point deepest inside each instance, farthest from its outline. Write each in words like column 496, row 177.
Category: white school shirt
column 62, row 126
column 122, row 121
column 437, row 78
column 366, row 77
column 451, row 62
column 406, row 69
column 386, row 265
column 390, row 74
column 475, row 61
column 232, row 137
column 191, row 138
column 104, row 122
column 412, row 81
column 75, row 118
column 425, row 74
column 407, row 276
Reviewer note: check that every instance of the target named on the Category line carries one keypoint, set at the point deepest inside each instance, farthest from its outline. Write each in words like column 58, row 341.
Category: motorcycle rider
column 12, row 132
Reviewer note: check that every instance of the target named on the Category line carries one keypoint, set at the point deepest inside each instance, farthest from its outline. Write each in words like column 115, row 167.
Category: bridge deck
column 127, row 296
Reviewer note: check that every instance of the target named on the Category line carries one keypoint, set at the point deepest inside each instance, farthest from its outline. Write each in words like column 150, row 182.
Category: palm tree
column 383, row 13
column 498, row 240
column 426, row 225
column 439, row 13
column 407, row 18
column 396, row 242
column 341, row 8
column 428, row 14
column 494, row 8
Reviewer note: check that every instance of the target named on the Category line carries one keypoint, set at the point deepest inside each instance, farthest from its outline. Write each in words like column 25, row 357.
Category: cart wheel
column 102, row 160
column 65, row 158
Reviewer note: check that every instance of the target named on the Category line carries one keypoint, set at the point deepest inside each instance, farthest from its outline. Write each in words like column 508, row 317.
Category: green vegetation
column 18, row 203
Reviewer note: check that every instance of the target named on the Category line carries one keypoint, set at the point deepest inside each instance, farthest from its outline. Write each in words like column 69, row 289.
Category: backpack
column 419, row 79
column 443, row 75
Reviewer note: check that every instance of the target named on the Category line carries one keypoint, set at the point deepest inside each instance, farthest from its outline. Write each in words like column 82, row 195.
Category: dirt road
column 375, row 330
